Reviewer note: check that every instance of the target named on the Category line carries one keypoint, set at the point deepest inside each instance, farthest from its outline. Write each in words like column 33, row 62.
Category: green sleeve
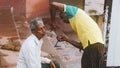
column 70, row 10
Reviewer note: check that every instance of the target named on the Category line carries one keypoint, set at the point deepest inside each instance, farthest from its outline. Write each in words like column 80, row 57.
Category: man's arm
column 54, row 7
column 74, row 43
column 46, row 60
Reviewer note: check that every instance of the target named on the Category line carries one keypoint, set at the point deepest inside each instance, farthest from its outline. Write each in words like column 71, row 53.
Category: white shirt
column 29, row 56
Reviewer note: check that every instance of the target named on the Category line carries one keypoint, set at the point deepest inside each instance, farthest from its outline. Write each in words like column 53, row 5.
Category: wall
column 27, row 8
column 18, row 5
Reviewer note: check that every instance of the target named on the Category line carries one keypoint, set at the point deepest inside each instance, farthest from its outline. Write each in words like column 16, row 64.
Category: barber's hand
column 62, row 38
column 52, row 65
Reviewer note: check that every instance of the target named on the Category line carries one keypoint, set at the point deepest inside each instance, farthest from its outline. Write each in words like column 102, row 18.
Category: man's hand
column 52, row 65
column 73, row 42
column 62, row 38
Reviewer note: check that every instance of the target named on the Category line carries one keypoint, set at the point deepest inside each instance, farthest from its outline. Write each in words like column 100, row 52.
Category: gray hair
column 35, row 22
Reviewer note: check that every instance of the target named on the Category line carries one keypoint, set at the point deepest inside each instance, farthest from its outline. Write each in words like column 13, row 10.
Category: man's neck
column 37, row 36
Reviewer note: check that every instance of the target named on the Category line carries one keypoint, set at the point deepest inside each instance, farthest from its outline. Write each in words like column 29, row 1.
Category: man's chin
column 66, row 21
column 43, row 35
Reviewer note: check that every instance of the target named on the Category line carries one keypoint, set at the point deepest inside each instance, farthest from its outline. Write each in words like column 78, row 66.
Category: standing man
column 30, row 52
column 88, row 32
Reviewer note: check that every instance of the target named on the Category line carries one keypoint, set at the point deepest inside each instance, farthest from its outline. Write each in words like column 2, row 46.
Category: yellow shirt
column 85, row 27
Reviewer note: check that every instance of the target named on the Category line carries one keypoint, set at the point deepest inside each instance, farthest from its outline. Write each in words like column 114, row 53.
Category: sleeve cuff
column 64, row 7
column 45, row 60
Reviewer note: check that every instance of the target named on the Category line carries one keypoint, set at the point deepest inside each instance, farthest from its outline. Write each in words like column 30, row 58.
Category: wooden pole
column 107, row 22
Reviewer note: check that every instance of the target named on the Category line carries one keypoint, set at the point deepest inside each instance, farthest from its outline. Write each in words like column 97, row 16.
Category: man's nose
column 44, row 31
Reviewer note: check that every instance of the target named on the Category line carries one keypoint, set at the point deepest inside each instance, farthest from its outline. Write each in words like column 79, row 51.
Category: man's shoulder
column 30, row 38
column 70, row 7
column 70, row 10
column 29, row 41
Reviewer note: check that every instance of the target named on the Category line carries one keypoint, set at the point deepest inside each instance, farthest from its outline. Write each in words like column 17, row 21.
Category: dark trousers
column 93, row 56
column 113, row 67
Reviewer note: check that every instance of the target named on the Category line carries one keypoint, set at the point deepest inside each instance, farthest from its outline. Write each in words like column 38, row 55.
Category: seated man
column 29, row 56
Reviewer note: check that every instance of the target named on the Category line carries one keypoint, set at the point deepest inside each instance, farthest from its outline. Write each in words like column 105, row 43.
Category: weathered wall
column 27, row 8
column 18, row 5
column 36, row 7
column 7, row 24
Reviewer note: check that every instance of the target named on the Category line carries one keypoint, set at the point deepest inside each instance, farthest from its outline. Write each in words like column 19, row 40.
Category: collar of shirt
column 37, row 41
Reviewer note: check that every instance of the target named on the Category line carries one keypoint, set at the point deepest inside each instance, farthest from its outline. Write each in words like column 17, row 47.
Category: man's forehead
column 39, row 21
column 40, row 25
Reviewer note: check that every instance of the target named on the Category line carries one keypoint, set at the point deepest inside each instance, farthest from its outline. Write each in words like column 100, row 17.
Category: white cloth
column 113, row 55
column 29, row 56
